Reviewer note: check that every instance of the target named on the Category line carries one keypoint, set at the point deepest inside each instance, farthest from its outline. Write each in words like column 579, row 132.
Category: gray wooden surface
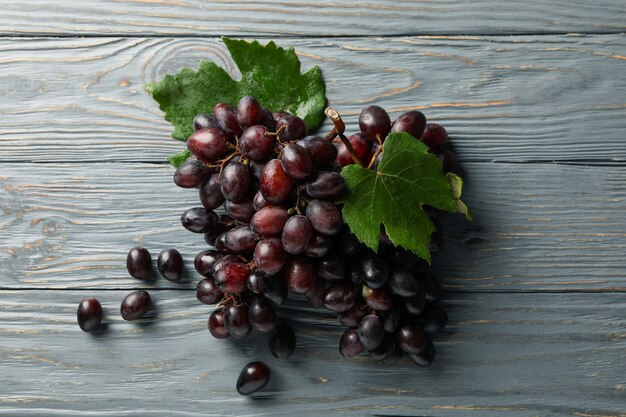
column 533, row 96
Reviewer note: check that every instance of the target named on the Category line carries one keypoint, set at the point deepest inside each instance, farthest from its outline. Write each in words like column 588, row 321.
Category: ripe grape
column 435, row 137
column 205, row 261
column 374, row 271
column 402, row 283
column 236, row 321
column 226, row 118
column 378, row 299
column 211, row 195
column 339, row 297
column 294, row 127
column 242, row 211
column 410, row 338
column 299, row 273
column 256, row 168
column 261, row 313
column 275, row 184
column 232, row 277
column 319, row 245
column 139, row 263
column 324, row 217
column 204, row 121
column 386, row 348
column 199, row 220
column 296, row 234
column 393, row 357
column 361, row 147
column 390, row 319
column 352, row 317
column 321, row 150
column 282, row 343
column 276, row 290
column 326, row 185
column 253, row 377
column 89, row 314
column 426, row 356
column 412, row 122
column 348, row 244
column 269, row 256
column 371, row 331
column 269, row 221
column 350, row 344
column 257, row 282
column 416, row 304
column 255, row 144
column 235, row 182
column 258, row 202
column 191, row 174
column 296, row 161
column 135, row 305
column 249, row 112
column 216, row 324
column 240, row 240
column 332, row 268
column 170, row 264
column 374, row 123
column 207, row 292
column 208, row 144
column 267, row 119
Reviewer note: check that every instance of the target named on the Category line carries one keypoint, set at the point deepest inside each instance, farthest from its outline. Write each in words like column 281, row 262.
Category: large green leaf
column 407, row 178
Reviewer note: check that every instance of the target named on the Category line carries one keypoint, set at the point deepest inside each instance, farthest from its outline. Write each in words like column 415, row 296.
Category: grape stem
column 338, row 130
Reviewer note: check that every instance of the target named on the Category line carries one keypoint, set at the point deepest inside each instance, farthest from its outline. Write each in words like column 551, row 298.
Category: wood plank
column 301, row 17
column 502, row 98
column 537, row 226
column 501, row 355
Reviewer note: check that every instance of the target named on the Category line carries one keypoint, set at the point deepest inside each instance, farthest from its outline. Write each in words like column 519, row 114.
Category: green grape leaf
column 407, row 178
column 179, row 158
column 269, row 73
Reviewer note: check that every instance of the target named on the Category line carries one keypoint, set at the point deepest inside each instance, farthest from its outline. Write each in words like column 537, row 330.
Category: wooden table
column 533, row 95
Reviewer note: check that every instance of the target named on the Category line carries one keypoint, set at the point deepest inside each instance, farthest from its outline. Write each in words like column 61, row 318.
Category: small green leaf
column 408, row 177
column 178, row 159
column 269, row 73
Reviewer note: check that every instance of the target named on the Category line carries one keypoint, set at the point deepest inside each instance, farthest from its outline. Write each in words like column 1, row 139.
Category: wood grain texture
column 524, row 98
column 267, row 18
column 501, row 355
column 541, row 227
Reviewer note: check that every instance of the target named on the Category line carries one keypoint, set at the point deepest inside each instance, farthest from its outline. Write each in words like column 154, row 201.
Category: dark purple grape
column 327, row 185
column 350, row 345
column 296, row 234
column 135, row 305
column 211, row 195
column 386, row 348
column 269, row 255
column 249, row 112
column 204, row 121
column 235, row 182
column 275, row 184
column 322, row 151
column 339, row 297
column 242, row 211
column 232, row 278
column 199, row 220
column 435, row 137
column 226, row 118
column 139, row 263
column 257, row 282
column 259, row 202
column 191, row 174
column 223, row 261
column 431, row 287
column 348, row 244
column 296, row 161
column 276, row 290
column 374, row 271
column 253, row 377
column 332, row 267
column 204, row 262
column 267, row 120
column 207, row 292
column 371, row 331
column 352, row 317
column 361, row 146
column 410, row 338
column 416, row 304
column 170, row 265
column 255, row 144
column 378, row 299
column 294, row 127
column 208, row 145
column 299, row 274
column 216, row 324
column 324, row 217
column 236, row 321
column 262, row 314
column 426, row 356
column 282, row 342
column 390, row 319
column 394, row 357
column 319, row 245
column 411, row 122
column 434, row 319
column 401, row 282
column 240, row 240
column 374, row 123
column 269, row 221
column 256, row 168
column 89, row 314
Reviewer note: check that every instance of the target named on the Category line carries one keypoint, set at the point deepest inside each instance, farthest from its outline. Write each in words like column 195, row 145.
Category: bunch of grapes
column 281, row 230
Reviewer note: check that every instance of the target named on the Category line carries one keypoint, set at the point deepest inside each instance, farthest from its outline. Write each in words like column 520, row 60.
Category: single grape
column 211, row 195
column 426, row 356
column 352, row 317
column 374, row 123
column 235, row 182
column 211, row 237
column 332, row 267
column 350, row 344
column 394, row 357
column 322, row 151
column 216, row 324
column 416, row 304
column 240, row 240
column 374, row 271
column 339, row 297
column 257, row 282
column 269, row 255
column 258, row 202
column 269, row 221
column 410, row 338
column 371, row 331
column 170, row 264
column 223, row 261
column 207, row 292
column 89, row 314
column 253, row 377
column 412, row 122
column 390, row 319
column 401, row 282
column 386, row 348
column 199, row 220
column 204, row 121
column 356, row 275
column 261, row 313
column 208, row 145
column 299, row 273
column 191, row 174
column 319, row 245
column 327, row 185
column 431, row 287
column 324, row 217
column 378, row 299
column 276, row 290
column 232, row 278
column 135, row 305
column 267, row 120
column 226, row 118
column 242, row 211
column 204, row 262
column 236, row 321
column 434, row 319
column 254, row 144
column 294, row 127
column 249, row 112
column 435, row 137
column 296, row 234
column 282, row 342
column 296, row 161
column 361, row 147
column 275, row 184
column 139, row 263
